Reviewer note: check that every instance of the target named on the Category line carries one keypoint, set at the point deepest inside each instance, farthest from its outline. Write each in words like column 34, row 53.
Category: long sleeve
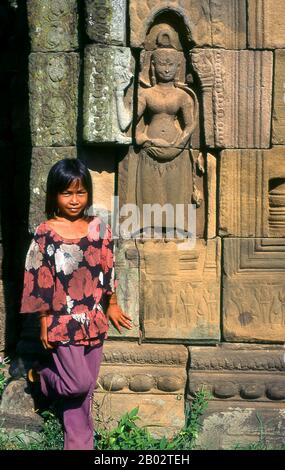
column 38, row 277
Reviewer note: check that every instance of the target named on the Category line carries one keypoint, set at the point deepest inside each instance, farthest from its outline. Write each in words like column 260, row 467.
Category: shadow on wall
column 15, row 155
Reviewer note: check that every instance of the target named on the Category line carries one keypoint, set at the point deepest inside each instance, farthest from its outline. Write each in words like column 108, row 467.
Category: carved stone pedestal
column 248, row 387
column 151, row 377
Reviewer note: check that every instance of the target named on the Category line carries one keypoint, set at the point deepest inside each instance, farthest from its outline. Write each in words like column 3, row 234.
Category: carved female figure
column 166, row 118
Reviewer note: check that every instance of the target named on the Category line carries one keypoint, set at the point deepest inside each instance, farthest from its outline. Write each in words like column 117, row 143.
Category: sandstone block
column 215, row 23
column 104, row 66
column 151, row 377
column 253, row 289
column 252, row 194
column 179, row 290
column 266, row 29
column 53, row 25
column 127, row 273
column 106, row 21
column 237, row 94
column 53, row 89
column 278, row 120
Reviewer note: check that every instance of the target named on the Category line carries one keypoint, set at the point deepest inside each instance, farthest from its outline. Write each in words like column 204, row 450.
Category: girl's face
column 73, row 200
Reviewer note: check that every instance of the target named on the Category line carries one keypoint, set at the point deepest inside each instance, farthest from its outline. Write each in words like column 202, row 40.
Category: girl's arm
column 43, row 334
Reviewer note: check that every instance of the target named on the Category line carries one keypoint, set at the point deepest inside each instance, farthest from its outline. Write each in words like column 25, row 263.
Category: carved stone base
column 151, row 377
column 246, row 382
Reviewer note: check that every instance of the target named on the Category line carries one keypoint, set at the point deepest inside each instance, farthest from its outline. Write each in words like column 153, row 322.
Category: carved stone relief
column 253, row 289
column 167, row 115
column 180, row 290
column 152, row 377
column 242, row 372
column 53, row 25
column 236, row 85
column 53, row 87
column 214, row 23
column 252, row 193
column 103, row 68
column 106, row 21
column 266, row 28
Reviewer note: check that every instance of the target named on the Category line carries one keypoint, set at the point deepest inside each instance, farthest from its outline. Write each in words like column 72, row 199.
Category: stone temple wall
column 213, row 315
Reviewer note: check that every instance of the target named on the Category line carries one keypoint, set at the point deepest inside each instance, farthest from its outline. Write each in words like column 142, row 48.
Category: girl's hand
column 118, row 317
column 44, row 336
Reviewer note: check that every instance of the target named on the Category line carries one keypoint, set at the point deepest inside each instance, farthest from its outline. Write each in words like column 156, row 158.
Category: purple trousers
column 73, row 375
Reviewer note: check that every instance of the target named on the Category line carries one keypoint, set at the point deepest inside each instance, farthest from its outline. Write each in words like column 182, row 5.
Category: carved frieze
column 180, row 290
column 252, row 193
column 236, row 85
column 253, row 289
column 53, row 25
column 104, row 68
column 53, row 87
column 216, row 23
column 106, row 21
column 278, row 118
column 42, row 160
column 238, row 371
column 266, row 29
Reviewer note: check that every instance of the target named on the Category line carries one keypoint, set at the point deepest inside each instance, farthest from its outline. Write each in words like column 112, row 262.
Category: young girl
column 69, row 276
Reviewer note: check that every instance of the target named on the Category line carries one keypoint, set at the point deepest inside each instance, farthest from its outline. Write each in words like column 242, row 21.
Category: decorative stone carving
column 278, row 131
column 253, row 289
column 152, row 377
column 53, row 25
column 216, row 23
column 106, row 21
column 127, row 273
column 166, row 118
column 180, row 291
column 104, row 66
column 266, row 28
column 252, row 193
column 236, row 85
column 53, row 98
column 260, row 371
column 42, row 161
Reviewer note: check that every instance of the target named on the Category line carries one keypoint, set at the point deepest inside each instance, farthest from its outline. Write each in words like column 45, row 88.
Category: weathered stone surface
column 162, row 415
column 152, row 377
column 237, row 95
column 278, row 130
column 106, row 21
column 215, row 23
column 253, row 289
column 143, row 368
column 226, row 426
column 128, row 182
column 252, row 193
column 104, row 67
column 53, row 25
column 242, row 372
column 266, row 29
column 15, row 399
column 180, row 290
column 127, row 274
column 53, row 98
column 42, row 161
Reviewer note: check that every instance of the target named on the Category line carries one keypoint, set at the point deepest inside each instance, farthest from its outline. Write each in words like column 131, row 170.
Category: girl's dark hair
column 60, row 176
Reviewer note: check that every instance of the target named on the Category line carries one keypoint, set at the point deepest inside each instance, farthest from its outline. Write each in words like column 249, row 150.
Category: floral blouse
column 69, row 277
